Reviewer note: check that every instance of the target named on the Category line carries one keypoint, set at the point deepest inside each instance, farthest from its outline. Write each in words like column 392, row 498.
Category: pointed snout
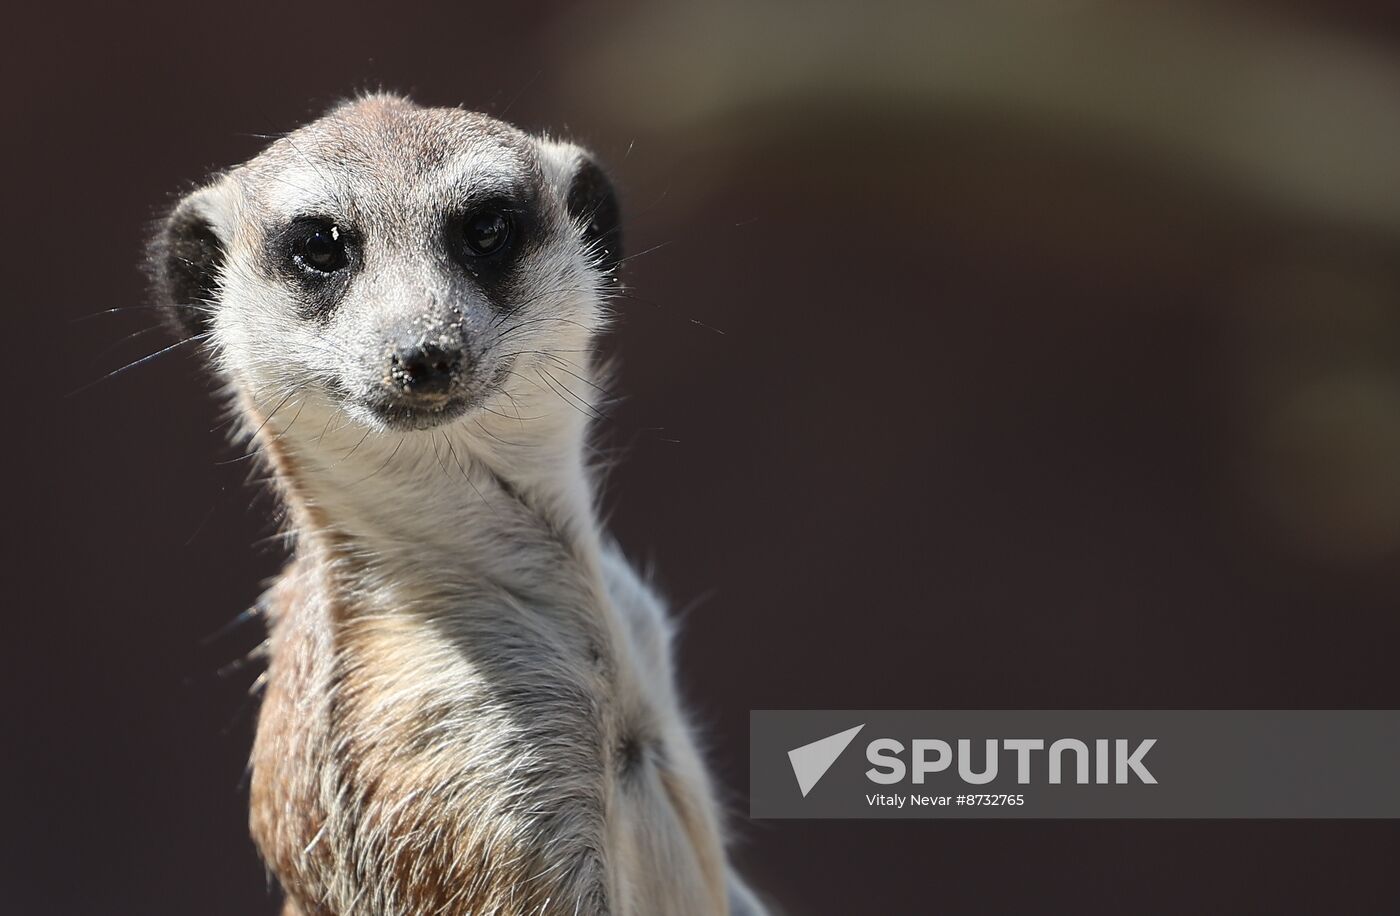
column 424, row 364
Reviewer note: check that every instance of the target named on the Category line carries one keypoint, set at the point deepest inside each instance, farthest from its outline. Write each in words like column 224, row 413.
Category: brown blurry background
column 995, row 355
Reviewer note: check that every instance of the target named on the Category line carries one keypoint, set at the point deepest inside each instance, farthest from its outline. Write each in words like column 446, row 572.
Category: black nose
column 424, row 370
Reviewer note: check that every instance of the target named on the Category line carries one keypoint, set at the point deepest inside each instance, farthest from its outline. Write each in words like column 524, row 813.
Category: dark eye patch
column 486, row 239
column 317, row 255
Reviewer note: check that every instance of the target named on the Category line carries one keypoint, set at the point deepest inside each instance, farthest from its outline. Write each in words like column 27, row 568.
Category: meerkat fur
column 469, row 705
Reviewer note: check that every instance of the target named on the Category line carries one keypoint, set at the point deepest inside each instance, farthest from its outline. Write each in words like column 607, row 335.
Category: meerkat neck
column 488, row 498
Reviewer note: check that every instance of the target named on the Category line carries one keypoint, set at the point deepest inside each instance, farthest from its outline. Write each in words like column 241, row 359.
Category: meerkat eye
column 320, row 248
column 486, row 232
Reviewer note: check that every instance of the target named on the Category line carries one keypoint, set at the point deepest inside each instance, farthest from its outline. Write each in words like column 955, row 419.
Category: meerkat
column 469, row 703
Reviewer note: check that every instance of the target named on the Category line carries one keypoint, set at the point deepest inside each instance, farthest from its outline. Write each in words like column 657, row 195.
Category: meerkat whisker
column 139, row 362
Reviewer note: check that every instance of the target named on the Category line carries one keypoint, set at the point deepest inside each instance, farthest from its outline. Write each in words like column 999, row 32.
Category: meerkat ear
column 588, row 194
column 593, row 205
column 184, row 259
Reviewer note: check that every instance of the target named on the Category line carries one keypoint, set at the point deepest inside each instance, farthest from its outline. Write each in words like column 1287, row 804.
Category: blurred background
column 981, row 355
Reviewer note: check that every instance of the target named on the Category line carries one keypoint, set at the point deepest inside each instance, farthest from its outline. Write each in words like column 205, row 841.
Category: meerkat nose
column 425, row 370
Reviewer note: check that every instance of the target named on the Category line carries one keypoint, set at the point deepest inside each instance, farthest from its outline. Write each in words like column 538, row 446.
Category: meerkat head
column 393, row 262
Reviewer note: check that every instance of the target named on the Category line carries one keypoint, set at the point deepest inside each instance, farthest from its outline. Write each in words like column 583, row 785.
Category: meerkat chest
column 459, row 745
column 429, row 753
column 471, row 690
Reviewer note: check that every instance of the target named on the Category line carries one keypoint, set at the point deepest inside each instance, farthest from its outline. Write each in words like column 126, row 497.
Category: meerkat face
column 398, row 262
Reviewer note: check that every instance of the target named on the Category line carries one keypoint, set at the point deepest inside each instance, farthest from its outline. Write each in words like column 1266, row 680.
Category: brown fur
column 387, row 816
